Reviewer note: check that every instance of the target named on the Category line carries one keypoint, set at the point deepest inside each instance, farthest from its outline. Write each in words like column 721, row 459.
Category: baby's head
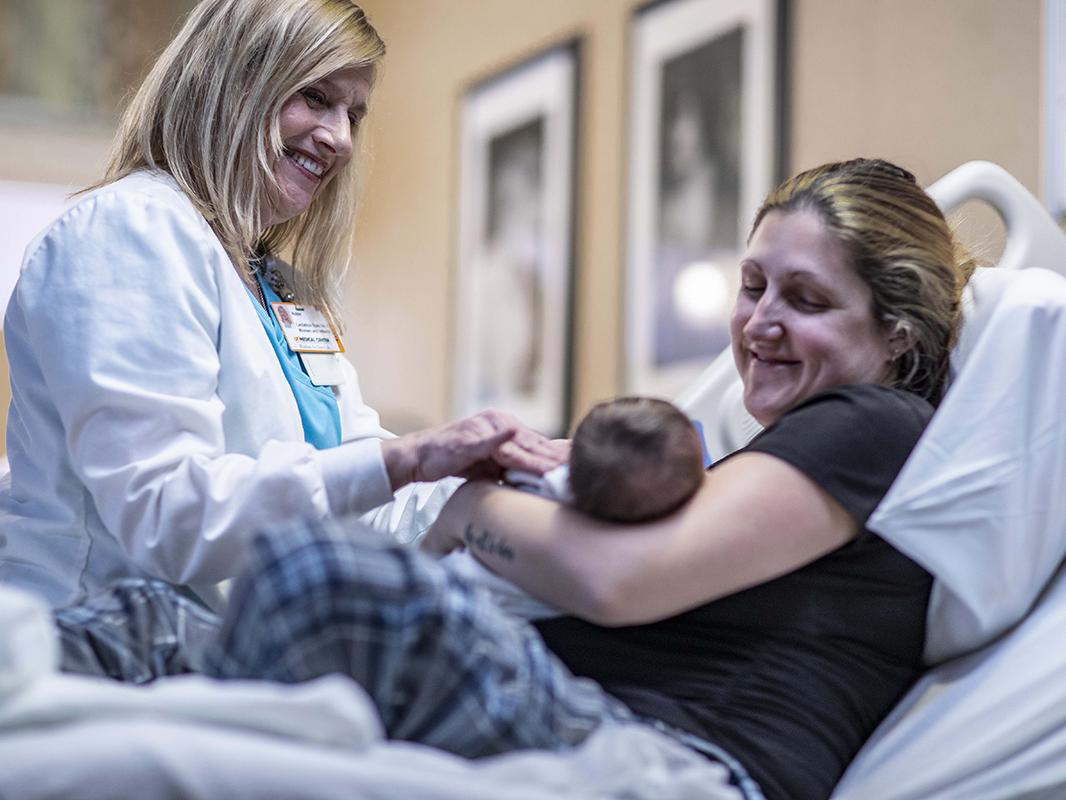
column 634, row 459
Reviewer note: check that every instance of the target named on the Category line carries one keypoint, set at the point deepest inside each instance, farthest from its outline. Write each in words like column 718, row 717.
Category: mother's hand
column 483, row 445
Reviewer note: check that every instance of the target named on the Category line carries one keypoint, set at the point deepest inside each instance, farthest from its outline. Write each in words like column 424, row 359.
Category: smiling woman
column 222, row 140
column 162, row 411
column 317, row 126
column 802, row 321
column 875, row 219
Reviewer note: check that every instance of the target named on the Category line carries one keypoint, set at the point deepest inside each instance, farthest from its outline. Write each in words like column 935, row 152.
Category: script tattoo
column 488, row 543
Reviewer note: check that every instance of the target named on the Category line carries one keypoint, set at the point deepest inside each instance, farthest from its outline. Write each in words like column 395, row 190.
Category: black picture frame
column 515, row 259
column 706, row 143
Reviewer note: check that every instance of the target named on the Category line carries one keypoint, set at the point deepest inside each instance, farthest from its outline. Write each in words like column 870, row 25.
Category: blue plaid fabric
column 136, row 632
column 443, row 664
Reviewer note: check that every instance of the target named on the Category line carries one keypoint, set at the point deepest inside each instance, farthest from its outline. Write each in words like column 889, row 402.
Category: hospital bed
column 981, row 503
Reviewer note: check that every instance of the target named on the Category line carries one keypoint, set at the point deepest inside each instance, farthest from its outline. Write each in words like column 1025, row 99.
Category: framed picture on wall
column 704, row 148
column 515, row 261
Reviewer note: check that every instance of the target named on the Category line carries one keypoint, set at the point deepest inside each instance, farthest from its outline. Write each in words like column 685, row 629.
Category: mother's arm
column 755, row 518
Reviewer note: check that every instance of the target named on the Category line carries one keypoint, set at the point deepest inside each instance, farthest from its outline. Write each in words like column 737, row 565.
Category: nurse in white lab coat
column 159, row 415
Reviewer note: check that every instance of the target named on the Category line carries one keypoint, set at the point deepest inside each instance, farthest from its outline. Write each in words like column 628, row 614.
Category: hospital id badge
column 324, row 369
column 306, row 329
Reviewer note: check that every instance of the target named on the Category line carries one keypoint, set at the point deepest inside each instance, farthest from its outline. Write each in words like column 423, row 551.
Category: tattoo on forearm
column 487, row 543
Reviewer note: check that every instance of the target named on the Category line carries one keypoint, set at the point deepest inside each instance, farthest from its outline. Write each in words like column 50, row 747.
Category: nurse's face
column 317, row 125
column 803, row 320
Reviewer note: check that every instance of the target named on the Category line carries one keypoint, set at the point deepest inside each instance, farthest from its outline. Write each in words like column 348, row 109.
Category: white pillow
column 981, row 503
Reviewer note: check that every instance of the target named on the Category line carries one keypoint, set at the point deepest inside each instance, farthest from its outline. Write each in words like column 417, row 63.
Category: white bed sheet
column 141, row 759
column 72, row 737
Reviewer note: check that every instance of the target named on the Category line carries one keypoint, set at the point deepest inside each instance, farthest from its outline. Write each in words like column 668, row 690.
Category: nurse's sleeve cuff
column 355, row 477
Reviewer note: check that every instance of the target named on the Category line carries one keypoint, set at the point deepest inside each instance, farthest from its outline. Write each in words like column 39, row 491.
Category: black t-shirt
column 790, row 676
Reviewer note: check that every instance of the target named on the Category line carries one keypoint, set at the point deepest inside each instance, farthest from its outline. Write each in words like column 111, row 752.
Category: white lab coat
column 152, row 431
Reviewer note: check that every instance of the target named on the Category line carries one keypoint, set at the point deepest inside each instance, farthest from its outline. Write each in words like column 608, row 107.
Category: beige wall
column 927, row 84
column 930, row 84
column 406, row 232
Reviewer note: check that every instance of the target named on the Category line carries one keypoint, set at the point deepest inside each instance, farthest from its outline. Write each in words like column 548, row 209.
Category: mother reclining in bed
column 761, row 624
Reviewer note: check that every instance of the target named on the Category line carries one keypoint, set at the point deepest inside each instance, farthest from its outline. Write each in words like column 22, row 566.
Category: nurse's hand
column 481, row 446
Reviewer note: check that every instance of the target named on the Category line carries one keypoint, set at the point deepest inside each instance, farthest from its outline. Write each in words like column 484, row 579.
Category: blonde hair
column 901, row 246
column 208, row 111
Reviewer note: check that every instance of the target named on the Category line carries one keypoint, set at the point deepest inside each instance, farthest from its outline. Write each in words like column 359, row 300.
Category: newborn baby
column 632, row 459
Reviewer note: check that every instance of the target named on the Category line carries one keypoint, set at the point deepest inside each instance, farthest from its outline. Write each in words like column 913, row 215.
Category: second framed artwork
column 703, row 151
column 515, row 242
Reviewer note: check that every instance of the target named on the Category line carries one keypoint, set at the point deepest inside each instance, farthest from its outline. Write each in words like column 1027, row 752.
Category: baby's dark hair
column 634, row 459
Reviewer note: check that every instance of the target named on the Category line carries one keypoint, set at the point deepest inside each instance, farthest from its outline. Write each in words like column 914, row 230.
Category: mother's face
column 803, row 320
column 317, row 126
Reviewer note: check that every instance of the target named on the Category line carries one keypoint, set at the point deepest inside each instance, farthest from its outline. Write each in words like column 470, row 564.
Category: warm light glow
column 701, row 294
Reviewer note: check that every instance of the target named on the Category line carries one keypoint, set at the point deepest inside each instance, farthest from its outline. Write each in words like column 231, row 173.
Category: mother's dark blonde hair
column 208, row 115
column 901, row 246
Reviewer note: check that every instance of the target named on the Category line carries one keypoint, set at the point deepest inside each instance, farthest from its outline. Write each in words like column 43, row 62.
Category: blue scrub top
column 319, row 413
